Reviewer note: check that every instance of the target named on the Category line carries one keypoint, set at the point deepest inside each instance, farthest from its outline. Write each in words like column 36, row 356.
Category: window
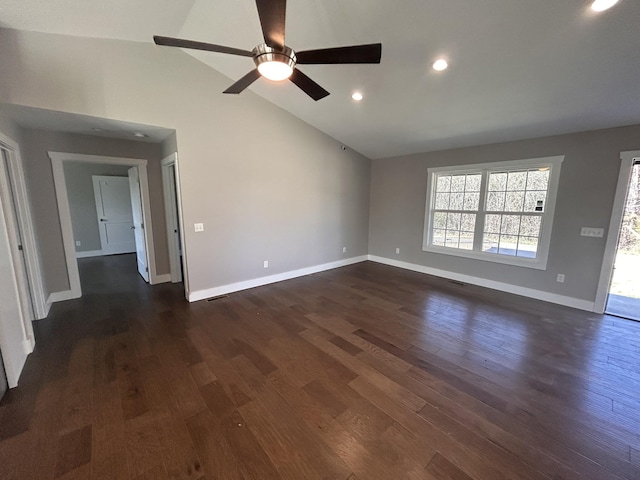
column 500, row 212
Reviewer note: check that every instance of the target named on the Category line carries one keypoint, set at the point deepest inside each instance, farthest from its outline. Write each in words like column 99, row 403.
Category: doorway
column 624, row 291
column 170, row 186
column 619, row 286
column 139, row 166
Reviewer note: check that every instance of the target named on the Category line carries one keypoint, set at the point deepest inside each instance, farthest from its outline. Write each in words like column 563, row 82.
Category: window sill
column 538, row 263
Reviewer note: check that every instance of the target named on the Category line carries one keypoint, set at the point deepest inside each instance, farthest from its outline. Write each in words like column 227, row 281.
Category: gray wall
column 82, row 202
column 266, row 185
column 585, row 198
column 39, row 177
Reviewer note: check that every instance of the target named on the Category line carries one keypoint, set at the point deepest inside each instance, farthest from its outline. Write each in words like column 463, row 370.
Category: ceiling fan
column 276, row 61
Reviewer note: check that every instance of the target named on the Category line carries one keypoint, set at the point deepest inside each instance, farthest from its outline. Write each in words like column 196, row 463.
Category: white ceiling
column 40, row 119
column 519, row 68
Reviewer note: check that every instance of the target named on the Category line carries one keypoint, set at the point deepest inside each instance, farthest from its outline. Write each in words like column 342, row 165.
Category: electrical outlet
column 198, row 227
column 560, row 278
column 592, row 232
column 78, row 243
column 344, row 249
column 397, row 251
column 266, row 264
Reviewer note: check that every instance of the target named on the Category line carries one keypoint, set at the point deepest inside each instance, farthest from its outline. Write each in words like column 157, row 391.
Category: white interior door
column 115, row 216
column 138, row 222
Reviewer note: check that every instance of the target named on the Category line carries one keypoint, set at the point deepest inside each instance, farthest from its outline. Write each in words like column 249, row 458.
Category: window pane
column 538, row 180
column 444, row 183
column 453, row 221
column 530, row 226
column 457, row 183
column 517, row 181
column 492, row 223
column 495, row 201
column 468, row 222
column 497, row 182
column 440, row 220
column 456, row 201
column 508, row 245
column 490, row 243
column 531, row 201
column 438, row 237
column 473, row 183
column 442, row 201
column 471, row 201
column 514, row 202
column 466, row 240
column 528, row 247
column 510, row 225
column 453, row 239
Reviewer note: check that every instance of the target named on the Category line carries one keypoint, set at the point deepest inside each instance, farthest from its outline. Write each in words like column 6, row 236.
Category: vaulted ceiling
column 518, row 68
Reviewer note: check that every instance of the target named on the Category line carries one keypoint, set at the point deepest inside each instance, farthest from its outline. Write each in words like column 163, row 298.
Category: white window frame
column 540, row 262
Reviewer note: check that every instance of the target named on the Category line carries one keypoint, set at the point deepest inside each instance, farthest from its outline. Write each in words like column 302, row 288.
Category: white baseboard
column 483, row 282
column 28, row 344
column 89, row 253
column 164, row 278
column 59, row 297
column 257, row 282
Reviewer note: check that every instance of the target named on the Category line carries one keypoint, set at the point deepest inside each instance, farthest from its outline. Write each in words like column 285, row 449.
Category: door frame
column 57, row 165
column 617, row 213
column 173, row 212
column 35, row 284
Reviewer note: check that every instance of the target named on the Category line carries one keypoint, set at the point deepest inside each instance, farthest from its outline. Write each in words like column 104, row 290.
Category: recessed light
column 357, row 96
column 440, row 64
column 602, row 5
column 139, row 135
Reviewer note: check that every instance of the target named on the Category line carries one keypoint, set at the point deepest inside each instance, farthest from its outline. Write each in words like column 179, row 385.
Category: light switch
column 592, row 232
column 198, row 227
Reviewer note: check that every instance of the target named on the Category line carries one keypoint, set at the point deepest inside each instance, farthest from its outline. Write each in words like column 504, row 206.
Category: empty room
column 318, row 239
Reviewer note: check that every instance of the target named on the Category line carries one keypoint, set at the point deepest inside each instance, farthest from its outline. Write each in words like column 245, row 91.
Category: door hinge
column 20, row 247
column 146, row 269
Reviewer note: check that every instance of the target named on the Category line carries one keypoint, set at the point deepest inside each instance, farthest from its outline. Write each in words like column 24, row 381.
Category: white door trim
column 614, row 230
column 57, row 165
column 30, row 248
column 171, row 207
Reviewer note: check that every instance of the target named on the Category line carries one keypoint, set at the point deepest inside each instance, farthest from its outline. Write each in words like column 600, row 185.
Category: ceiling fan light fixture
column 276, row 65
column 602, row 5
column 440, row 64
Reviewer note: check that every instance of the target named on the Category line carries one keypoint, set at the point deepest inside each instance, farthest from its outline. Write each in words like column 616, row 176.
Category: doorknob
column 103, row 219
column 133, row 227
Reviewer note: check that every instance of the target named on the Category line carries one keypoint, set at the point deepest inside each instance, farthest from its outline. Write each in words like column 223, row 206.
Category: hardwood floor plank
column 443, row 469
column 74, row 450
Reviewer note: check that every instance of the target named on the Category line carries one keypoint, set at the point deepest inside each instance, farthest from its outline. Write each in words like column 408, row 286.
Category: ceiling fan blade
column 355, row 54
column 209, row 47
column 244, row 82
column 307, row 85
column 272, row 15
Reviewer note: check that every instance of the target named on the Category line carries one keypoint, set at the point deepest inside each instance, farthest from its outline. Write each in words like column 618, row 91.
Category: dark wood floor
column 364, row 372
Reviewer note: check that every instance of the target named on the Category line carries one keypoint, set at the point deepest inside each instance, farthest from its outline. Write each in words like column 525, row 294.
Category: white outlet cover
column 266, row 264
column 198, row 227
